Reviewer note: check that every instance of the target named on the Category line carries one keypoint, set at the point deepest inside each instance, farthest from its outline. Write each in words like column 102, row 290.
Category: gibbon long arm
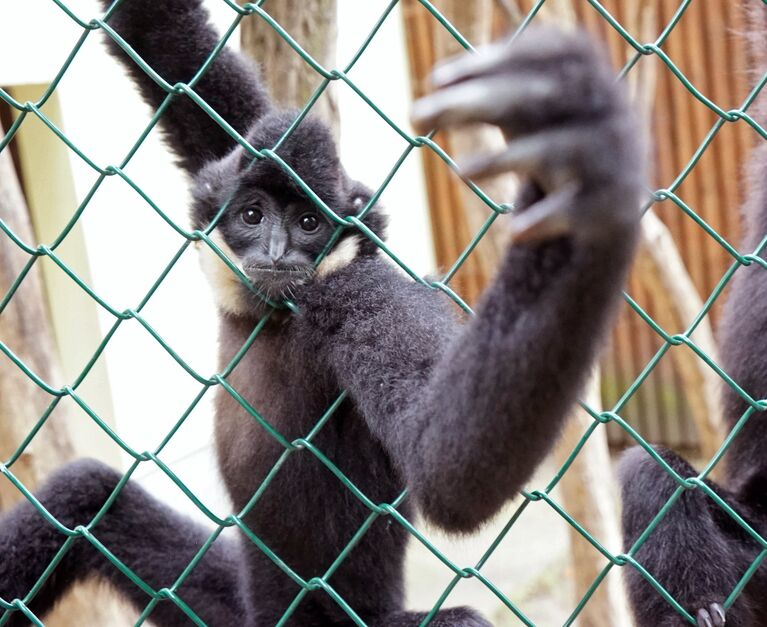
column 468, row 412
column 175, row 39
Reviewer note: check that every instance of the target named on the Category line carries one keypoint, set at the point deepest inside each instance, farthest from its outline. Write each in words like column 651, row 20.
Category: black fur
column 698, row 552
column 460, row 414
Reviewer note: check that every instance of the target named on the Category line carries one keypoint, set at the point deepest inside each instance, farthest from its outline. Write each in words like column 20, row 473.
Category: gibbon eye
column 309, row 222
column 251, row 216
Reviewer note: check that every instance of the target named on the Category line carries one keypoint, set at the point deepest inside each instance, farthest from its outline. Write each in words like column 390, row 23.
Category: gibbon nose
column 278, row 244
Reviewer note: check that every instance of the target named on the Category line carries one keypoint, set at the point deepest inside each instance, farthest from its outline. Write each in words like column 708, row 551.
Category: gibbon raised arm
column 459, row 414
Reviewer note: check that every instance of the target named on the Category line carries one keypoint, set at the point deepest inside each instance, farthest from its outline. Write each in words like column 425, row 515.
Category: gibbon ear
column 356, row 196
column 213, row 185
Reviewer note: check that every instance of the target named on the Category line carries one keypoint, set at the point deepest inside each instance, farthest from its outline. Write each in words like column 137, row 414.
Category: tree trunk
column 662, row 272
column 677, row 303
column 589, row 496
column 291, row 80
column 25, row 329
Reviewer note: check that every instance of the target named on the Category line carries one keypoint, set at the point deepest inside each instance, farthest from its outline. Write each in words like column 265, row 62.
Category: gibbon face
column 269, row 226
column 275, row 240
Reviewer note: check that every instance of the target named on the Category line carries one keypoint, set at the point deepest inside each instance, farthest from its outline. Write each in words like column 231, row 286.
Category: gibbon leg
column 697, row 552
column 155, row 542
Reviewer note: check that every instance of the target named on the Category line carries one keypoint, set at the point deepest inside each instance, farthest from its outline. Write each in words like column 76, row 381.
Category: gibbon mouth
column 276, row 281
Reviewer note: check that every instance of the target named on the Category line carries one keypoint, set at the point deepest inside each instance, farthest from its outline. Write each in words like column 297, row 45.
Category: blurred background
column 119, row 246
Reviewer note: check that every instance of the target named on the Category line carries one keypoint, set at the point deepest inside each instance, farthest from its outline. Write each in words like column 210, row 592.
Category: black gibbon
column 698, row 552
column 461, row 414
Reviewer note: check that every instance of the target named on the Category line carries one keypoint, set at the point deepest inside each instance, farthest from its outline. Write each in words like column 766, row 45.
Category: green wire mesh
column 305, row 446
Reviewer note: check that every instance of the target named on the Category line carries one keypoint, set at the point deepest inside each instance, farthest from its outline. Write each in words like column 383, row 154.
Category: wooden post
column 25, row 328
column 456, row 212
column 474, row 20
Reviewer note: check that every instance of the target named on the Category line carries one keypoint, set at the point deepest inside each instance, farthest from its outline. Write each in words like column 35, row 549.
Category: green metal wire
column 305, row 445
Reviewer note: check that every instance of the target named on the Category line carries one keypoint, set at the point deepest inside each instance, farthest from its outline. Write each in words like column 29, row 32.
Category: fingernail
column 423, row 109
column 719, row 611
column 473, row 167
column 704, row 620
column 441, row 75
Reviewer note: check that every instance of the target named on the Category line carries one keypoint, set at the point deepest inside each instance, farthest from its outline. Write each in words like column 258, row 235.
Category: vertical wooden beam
column 47, row 178
column 589, row 495
column 25, row 327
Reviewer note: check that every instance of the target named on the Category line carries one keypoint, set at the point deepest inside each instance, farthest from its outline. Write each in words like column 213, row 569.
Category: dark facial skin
column 276, row 238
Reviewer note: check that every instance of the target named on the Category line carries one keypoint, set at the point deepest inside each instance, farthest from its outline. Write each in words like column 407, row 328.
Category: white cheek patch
column 341, row 255
column 227, row 287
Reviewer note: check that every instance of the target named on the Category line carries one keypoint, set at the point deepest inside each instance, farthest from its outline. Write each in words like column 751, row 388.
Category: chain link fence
column 305, row 446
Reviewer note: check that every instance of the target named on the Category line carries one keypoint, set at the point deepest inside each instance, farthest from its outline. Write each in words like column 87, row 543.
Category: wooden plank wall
column 450, row 227
column 708, row 46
